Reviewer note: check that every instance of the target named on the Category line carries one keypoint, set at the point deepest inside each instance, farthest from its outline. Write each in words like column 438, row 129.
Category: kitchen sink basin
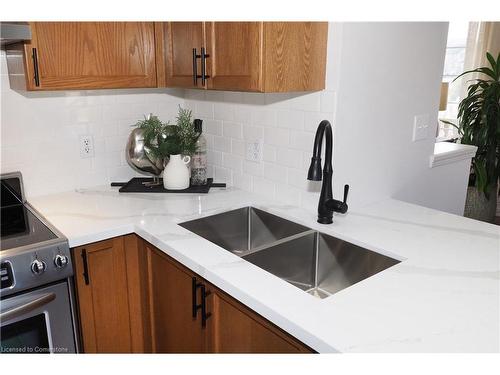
column 320, row 264
column 315, row 262
column 243, row 229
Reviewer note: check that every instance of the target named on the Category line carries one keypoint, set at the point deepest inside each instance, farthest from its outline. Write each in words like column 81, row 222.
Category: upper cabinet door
column 91, row 55
column 177, row 67
column 235, row 55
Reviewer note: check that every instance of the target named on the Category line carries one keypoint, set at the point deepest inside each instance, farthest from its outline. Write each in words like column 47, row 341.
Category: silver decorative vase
column 140, row 159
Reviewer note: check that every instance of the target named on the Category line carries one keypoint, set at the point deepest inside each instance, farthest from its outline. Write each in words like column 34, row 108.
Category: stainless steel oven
column 36, row 294
column 38, row 321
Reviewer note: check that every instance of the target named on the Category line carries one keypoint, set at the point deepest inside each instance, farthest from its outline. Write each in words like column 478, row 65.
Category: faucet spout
column 327, row 205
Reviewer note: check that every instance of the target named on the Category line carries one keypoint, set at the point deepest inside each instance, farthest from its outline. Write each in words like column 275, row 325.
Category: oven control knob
column 60, row 261
column 38, row 267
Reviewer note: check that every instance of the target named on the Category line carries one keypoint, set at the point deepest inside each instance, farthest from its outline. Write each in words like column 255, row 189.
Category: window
column 453, row 66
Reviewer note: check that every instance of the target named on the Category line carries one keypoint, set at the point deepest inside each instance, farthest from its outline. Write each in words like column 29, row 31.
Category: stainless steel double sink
column 313, row 261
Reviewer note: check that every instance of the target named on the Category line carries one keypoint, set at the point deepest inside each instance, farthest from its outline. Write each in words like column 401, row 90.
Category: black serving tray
column 135, row 185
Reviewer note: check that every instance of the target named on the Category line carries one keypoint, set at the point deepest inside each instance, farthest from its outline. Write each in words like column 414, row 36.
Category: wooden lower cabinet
column 111, row 296
column 133, row 298
column 233, row 328
column 173, row 328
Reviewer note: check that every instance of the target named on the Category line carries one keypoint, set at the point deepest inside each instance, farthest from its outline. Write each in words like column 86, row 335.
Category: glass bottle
column 199, row 159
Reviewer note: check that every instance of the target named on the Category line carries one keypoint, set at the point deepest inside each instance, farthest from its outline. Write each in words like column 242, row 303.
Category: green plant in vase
column 479, row 125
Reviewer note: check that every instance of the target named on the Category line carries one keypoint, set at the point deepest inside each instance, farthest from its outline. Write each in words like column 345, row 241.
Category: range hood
column 13, row 32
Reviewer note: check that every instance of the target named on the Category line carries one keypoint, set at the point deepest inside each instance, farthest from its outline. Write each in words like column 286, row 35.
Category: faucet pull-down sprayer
column 327, row 205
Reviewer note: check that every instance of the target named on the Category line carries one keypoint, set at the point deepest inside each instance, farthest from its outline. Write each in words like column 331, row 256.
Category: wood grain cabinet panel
column 234, row 328
column 235, row 55
column 175, row 42
column 111, row 299
column 90, row 55
column 248, row 56
column 173, row 328
column 230, row 327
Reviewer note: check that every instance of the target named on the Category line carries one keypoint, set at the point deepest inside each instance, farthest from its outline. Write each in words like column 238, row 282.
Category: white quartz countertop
column 442, row 297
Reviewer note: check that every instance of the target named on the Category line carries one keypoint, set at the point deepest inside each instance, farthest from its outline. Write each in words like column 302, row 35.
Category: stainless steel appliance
column 36, row 295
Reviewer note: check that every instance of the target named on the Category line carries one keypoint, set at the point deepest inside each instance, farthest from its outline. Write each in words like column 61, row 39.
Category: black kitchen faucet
column 327, row 205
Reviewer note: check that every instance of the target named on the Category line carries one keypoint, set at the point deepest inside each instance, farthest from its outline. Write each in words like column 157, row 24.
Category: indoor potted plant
column 176, row 143
column 479, row 125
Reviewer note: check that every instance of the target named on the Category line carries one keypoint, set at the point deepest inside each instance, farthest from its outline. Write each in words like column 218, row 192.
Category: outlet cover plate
column 254, row 150
column 86, row 146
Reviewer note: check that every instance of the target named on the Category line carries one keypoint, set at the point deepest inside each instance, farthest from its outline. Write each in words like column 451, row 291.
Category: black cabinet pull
column 195, row 68
column 194, row 287
column 35, row 67
column 85, row 267
column 204, row 75
column 204, row 314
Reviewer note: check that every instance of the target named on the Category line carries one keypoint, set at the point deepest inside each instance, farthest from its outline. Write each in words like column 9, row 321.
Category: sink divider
column 280, row 241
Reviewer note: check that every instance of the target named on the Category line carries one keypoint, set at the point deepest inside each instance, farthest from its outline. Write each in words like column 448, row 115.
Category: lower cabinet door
column 233, row 328
column 101, row 280
column 173, row 327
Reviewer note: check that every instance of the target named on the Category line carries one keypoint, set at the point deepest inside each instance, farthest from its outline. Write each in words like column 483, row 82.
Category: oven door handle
column 27, row 307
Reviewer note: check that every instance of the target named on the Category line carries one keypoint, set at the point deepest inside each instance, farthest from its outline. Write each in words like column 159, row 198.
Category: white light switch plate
column 420, row 127
column 254, row 150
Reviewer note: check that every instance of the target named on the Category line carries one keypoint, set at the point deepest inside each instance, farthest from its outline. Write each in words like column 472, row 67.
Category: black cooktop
column 19, row 226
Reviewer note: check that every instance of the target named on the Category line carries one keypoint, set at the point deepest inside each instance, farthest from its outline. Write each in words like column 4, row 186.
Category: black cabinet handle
column 204, row 314
column 194, row 287
column 85, row 267
column 35, row 67
column 195, row 68
column 204, row 75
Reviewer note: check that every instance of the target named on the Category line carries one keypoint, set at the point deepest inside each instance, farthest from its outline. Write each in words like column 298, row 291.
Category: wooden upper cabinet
column 90, row 55
column 175, row 42
column 234, row 59
column 246, row 56
column 295, row 56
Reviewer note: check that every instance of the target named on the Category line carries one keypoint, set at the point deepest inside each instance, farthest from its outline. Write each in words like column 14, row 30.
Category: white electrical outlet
column 86, row 146
column 420, row 127
column 254, row 150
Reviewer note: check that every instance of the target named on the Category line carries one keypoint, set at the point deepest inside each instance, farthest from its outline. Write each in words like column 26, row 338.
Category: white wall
column 40, row 133
column 379, row 75
column 389, row 72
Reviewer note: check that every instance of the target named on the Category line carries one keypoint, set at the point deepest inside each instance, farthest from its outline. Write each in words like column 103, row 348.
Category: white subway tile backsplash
column 291, row 119
column 264, row 187
column 232, row 130
column 213, row 127
column 277, row 136
column 274, row 172
column 253, row 168
column 253, row 132
column 263, row 117
column 224, row 111
column 223, row 175
column 301, row 140
column 238, row 147
column 214, row 157
column 242, row 181
column 289, row 157
column 222, row 144
column 268, row 153
column 232, row 162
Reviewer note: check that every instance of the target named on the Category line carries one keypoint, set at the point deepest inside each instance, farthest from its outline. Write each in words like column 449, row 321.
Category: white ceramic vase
column 176, row 173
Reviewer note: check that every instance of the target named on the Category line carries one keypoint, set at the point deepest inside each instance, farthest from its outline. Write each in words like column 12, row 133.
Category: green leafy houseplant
column 163, row 139
column 479, row 125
